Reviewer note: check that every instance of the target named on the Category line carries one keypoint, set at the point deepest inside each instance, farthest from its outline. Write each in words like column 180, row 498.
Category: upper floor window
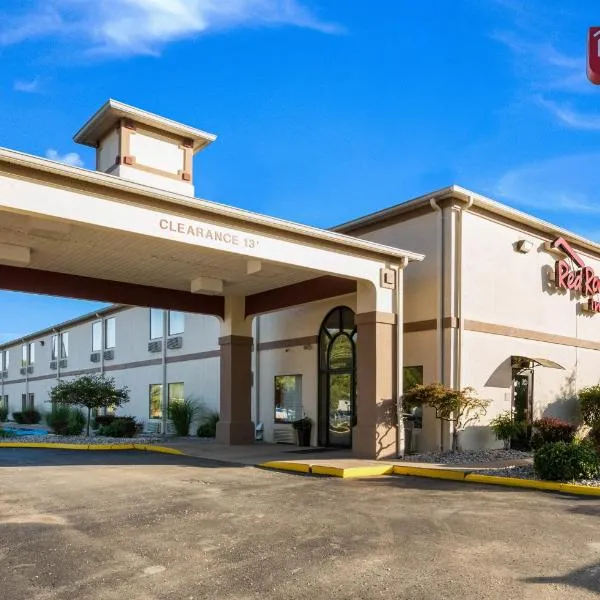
column 176, row 322
column 156, row 323
column 4, row 360
column 28, row 354
column 110, row 334
column 60, row 346
column 97, row 336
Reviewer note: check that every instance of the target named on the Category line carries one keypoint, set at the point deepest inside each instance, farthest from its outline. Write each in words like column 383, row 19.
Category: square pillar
column 375, row 434
column 235, row 424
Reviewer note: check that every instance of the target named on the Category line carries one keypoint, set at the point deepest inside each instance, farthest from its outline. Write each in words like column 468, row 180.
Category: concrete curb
column 50, row 445
column 432, row 473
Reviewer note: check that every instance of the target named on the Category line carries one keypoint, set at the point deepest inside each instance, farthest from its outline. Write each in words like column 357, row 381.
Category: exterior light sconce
column 523, row 246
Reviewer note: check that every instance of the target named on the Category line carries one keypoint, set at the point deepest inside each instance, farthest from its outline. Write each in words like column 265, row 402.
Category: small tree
column 91, row 392
column 459, row 407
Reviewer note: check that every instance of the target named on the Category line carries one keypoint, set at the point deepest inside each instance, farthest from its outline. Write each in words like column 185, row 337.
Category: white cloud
column 128, row 27
column 571, row 117
column 565, row 183
column 70, row 158
column 28, row 86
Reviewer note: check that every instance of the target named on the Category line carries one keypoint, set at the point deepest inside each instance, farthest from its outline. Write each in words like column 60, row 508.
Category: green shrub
column 101, row 420
column 589, row 404
column 550, row 429
column 120, row 427
column 27, row 417
column 208, row 424
column 5, row 434
column 3, row 414
column 505, row 428
column 182, row 413
column 565, row 461
column 64, row 420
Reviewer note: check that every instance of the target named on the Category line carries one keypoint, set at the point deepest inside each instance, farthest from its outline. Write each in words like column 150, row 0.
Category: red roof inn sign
column 573, row 275
column 593, row 55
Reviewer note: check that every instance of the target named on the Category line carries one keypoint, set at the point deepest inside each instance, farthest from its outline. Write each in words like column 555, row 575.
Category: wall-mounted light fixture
column 523, row 246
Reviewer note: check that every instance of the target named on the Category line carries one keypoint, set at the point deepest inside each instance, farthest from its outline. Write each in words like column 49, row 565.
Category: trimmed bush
column 208, row 425
column 3, row 414
column 565, row 461
column 101, row 420
column 505, row 428
column 550, row 429
column 182, row 413
column 64, row 420
column 120, row 427
column 27, row 417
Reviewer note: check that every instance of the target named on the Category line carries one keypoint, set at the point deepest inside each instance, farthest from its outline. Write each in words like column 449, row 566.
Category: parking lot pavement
column 115, row 525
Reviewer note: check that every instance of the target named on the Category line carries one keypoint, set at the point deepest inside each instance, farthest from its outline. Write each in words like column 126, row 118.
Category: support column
column 375, row 434
column 235, row 425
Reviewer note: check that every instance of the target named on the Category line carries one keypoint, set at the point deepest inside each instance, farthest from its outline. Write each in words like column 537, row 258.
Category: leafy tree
column 459, row 407
column 91, row 392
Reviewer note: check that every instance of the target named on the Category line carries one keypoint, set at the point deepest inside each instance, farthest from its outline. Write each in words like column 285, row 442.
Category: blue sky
column 325, row 109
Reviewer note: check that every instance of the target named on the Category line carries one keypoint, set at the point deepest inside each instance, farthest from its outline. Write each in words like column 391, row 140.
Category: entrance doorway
column 337, row 378
column 522, row 405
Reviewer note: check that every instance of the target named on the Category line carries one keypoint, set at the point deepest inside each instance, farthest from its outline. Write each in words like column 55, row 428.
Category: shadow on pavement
column 587, row 578
column 34, row 457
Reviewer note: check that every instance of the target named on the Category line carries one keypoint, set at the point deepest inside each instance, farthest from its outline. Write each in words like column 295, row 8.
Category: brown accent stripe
column 431, row 325
column 375, row 317
column 312, row 290
column 528, row 334
column 20, row 279
column 122, row 366
column 290, row 343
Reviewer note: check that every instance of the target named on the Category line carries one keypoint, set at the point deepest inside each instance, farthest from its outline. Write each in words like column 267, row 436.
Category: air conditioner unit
column 109, row 354
column 53, row 365
column 95, row 357
column 155, row 346
column 174, row 343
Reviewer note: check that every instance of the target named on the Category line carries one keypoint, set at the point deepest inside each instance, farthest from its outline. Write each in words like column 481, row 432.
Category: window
column 413, row 376
column 64, row 345
column 110, row 333
column 28, row 354
column 176, row 322
column 288, row 398
column 155, row 401
column 4, row 360
column 27, row 402
column 4, row 403
column 54, row 347
column 97, row 336
column 175, row 393
column 156, row 323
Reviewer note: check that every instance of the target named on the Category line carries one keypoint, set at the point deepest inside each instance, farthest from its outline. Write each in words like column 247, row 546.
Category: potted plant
column 303, row 428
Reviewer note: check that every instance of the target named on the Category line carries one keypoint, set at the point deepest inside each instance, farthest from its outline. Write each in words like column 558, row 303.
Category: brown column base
column 235, row 433
column 375, row 434
column 235, row 426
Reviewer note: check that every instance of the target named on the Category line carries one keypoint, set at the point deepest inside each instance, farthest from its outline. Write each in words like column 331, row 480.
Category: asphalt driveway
column 114, row 525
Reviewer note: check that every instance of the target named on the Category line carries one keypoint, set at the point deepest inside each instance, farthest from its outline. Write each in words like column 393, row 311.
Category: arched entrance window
column 337, row 377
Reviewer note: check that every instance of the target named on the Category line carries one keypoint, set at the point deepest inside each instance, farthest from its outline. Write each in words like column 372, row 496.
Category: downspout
column 101, row 317
column 165, row 404
column 459, row 279
column 58, row 345
column 441, row 294
column 399, row 301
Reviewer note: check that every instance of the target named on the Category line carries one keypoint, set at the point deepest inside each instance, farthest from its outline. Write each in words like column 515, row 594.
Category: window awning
column 525, row 362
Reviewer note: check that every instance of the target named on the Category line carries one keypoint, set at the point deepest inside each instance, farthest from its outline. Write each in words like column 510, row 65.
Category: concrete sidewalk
column 261, row 452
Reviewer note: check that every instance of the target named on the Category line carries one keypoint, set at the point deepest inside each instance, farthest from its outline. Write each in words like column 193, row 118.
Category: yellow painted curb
column 146, row 447
column 326, row 470
column 286, row 466
column 581, row 490
column 515, row 482
column 432, row 473
column 372, row 471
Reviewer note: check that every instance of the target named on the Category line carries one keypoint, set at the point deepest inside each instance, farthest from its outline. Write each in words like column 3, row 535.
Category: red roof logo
column 593, row 55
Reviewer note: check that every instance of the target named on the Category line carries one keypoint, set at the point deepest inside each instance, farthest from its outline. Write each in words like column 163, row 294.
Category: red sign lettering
column 593, row 55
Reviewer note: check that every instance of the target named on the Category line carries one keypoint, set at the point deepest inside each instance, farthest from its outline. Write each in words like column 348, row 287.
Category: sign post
column 593, row 55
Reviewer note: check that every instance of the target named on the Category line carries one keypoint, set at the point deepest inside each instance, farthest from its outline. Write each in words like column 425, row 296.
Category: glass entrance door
column 340, row 409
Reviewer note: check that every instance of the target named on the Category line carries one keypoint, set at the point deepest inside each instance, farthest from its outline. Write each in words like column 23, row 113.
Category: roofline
column 468, row 197
column 141, row 115
column 201, row 205
column 91, row 316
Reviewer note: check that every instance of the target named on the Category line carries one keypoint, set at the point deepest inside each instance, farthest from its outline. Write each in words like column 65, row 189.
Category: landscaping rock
column 469, row 456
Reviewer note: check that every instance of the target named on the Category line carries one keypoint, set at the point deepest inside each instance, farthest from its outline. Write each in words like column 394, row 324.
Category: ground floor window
column 175, row 393
column 4, row 402
column 288, row 398
column 27, row 402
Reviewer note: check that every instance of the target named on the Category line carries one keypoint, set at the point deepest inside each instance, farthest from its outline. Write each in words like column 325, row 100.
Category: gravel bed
column 75, row 439
column 527, row 472
column 468, row 456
